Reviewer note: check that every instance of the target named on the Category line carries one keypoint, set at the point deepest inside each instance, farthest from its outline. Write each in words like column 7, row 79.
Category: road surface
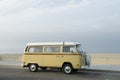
column 19, row 73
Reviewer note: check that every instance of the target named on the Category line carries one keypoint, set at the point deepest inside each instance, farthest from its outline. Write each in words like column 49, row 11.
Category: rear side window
column 35, row 49
column 52, row 49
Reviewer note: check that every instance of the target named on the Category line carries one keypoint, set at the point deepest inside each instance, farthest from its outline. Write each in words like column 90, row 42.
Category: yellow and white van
column 66, row 56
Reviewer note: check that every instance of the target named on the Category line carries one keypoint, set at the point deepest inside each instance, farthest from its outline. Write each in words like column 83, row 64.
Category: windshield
column 79, row 49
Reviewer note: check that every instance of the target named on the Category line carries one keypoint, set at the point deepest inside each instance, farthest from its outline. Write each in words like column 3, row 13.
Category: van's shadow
column 80, row 72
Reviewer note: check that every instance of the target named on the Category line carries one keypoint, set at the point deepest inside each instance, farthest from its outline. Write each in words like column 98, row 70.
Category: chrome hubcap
column 67, row 69
column 33, row 67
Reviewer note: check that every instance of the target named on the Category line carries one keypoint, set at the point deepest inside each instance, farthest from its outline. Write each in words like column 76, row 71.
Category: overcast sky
column 93, row 23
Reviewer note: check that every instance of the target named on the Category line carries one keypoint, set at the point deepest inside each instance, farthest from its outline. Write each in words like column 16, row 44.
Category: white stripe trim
column 53, row 43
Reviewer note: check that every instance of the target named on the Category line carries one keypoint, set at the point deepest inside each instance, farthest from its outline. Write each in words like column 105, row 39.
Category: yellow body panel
column 49, row 60
column 54, row 60
column 30, row 58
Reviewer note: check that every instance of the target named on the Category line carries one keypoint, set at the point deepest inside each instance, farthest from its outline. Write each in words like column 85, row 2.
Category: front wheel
column 33, row 67
column 67, row 69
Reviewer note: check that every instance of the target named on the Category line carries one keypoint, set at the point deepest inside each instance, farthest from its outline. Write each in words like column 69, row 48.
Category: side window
column 52, row 49
column 69, row 49
column 35, row 49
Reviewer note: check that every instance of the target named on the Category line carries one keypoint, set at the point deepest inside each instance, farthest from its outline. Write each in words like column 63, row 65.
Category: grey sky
column 94, row 23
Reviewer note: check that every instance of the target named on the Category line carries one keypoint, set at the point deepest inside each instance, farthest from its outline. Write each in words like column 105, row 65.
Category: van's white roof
column 52, row 43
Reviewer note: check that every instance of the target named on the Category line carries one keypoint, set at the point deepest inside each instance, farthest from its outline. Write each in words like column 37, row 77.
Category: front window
column 69, row 49
column 79, row 49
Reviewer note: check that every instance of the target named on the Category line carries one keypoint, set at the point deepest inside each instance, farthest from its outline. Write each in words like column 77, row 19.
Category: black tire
column 67, row 69
column 33, row 67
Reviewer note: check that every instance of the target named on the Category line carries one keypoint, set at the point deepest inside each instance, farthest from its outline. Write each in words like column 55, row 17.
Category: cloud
column 93, row 22
column 8, row 7
column 25, row 10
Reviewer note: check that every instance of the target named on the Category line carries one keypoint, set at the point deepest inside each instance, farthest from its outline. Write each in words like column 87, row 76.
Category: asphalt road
column 19, row 73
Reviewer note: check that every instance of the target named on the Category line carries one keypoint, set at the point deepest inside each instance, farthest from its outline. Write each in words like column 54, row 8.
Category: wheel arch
column 67, row 63
column 32, row 63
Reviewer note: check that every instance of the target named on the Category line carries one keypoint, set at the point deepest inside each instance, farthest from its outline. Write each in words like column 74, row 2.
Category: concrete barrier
column 96, row 59
column 10, row 57
column 105, row 59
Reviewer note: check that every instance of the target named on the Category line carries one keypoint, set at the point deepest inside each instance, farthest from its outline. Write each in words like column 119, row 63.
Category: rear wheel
column 33, row 67
column 67, row 69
